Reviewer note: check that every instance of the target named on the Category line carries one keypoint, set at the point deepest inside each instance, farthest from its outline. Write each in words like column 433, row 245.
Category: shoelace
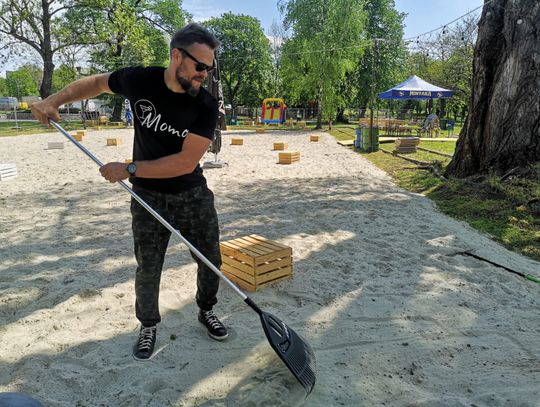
column 146, row 337
column 211, row 319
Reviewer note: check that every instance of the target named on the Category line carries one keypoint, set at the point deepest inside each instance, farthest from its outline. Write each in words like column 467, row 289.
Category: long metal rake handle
column 160, row 219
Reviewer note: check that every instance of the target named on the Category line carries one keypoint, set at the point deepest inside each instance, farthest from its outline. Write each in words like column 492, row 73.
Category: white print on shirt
column 148, row 116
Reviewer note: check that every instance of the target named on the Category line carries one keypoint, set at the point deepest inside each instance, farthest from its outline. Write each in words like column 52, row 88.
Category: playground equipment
column 273, row 110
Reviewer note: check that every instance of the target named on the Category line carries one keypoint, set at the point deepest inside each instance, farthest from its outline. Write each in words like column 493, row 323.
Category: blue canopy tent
column 416, row 88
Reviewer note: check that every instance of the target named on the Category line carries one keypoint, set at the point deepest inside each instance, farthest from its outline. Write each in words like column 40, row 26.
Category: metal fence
column 246, row 115
column 253, row 114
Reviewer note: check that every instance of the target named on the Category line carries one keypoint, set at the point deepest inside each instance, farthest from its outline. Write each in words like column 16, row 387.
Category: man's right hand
column 45, row 110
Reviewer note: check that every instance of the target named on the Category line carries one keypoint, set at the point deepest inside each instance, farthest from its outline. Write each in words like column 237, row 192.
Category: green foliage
column 43, row 27
column 446, row 61
column 62, row 77
column 325, row 44
column 21, row 83
column 129, row 32
column 496, row 211
column 382, row 62
column 244, row 58
column 3, row 87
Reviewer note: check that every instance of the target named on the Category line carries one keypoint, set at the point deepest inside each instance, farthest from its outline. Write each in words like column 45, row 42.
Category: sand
column 395, row 315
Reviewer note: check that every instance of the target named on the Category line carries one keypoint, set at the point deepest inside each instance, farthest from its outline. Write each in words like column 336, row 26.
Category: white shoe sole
column 217, row 338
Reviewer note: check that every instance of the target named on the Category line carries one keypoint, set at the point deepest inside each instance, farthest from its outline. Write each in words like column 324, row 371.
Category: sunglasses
column 199, row 66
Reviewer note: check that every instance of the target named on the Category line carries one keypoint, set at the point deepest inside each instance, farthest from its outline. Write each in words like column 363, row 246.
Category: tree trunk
column 48, row 69
column 502, row 130
column 46, row 52
column 117, row 104
column 340, row 116
column 320, row 108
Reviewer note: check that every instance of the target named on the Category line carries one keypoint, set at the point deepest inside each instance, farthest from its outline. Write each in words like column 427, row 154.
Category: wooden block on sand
column 77, row 136
column 289, row 157
column 7, row 171
column 114, row 141
column 55, row 145
column 280, row 146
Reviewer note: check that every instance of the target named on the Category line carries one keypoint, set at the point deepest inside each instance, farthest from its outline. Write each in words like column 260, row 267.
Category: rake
column 294, row 351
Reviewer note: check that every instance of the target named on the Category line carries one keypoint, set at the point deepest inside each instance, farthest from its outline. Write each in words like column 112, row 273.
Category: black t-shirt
column 162, row 119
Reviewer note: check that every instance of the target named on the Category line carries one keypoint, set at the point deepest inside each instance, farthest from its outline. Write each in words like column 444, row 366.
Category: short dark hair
column 191, row 34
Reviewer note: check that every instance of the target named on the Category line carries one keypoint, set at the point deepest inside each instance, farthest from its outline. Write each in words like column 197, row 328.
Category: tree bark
column 340, row 115
column 320, row 107
column 46, row 52
column 502, row 130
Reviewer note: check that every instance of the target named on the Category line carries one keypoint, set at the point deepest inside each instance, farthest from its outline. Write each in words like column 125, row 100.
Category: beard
column 187, row 86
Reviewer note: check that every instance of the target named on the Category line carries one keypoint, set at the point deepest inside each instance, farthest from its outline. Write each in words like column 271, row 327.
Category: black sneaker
column 215, row 328
column 143, row 348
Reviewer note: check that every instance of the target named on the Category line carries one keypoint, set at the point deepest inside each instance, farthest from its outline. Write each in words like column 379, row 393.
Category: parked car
column 8, row 103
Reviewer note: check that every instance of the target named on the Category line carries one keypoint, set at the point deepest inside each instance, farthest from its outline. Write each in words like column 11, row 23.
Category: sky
column 422, row 15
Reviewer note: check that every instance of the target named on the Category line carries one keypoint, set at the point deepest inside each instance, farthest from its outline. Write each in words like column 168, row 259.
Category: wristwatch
column 132, row 169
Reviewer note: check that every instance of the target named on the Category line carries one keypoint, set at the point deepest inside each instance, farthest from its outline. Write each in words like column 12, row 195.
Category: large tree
column 41, row 26
column 502, row 131
column 382, row 63
column 277, row 36
column 130, row 32
column 244, row 58
column 326, row 42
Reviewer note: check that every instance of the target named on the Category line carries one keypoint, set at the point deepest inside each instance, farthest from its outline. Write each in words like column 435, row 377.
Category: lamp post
column 16, row 105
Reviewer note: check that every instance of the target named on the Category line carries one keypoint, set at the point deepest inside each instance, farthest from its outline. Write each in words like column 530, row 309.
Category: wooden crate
column 55, row 145
column 280, row 146
column 114, row 141
column 313, row 137
column 254, row 261
column 406, row 145
column 237, row 141
column 260, row 131
column 289, row 157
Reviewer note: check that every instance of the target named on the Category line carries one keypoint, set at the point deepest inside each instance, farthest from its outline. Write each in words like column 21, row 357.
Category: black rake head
column 295, row 352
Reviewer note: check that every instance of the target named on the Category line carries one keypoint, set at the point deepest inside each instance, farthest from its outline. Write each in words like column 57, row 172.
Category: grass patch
column 30, row 127
column 508, row 210
column 500, row 211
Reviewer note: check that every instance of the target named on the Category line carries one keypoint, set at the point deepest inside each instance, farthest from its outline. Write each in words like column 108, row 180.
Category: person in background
column 128, row 113
column 174, row 122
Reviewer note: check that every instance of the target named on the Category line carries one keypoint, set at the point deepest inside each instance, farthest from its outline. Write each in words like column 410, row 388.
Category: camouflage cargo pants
column 191, row 212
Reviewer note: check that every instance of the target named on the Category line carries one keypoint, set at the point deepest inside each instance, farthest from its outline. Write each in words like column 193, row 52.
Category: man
column 174, row 121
